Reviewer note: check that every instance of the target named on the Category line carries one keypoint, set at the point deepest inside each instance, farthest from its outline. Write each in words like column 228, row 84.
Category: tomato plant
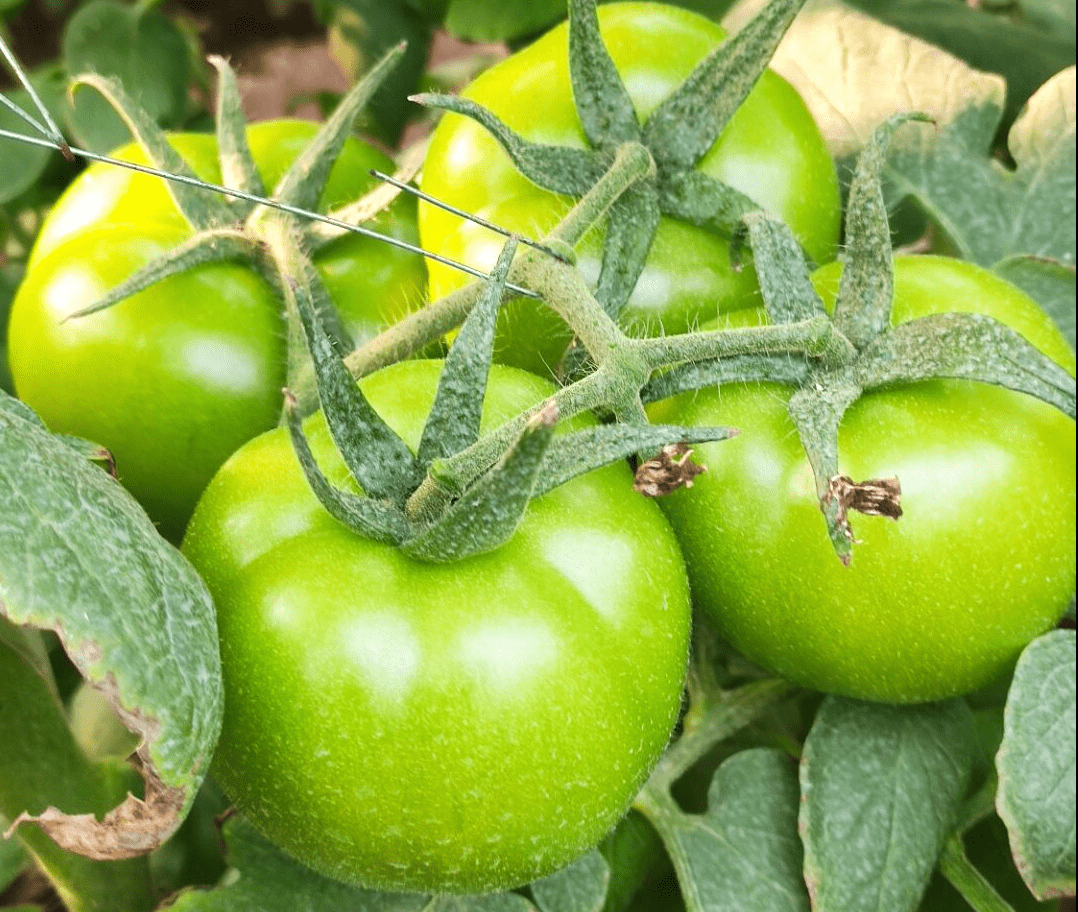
column 434, row 727
column 175, row 378
column 936, row 604
column 771, row 151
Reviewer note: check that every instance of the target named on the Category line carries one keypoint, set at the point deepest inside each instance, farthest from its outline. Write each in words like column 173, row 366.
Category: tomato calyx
column 875, row 354
column 237, row 222
column 676, row 136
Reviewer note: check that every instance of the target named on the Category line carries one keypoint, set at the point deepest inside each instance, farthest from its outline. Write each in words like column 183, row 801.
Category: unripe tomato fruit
column 457, row 727
column 175, row 378
column 771, row 150
column 940, row 602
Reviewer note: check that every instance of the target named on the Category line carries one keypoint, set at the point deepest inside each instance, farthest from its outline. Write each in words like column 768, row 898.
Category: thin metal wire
column 471, row 217
column 50, row 128
column 259, row 200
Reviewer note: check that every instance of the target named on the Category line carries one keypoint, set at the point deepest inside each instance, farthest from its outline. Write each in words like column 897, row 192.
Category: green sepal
column 377, row 520
column 556, row 168
column 816, row 411
column 863, row 304
column 453, row 422
column 602, row 102
column 378, row 459
column 202, row 208
column 238, row 169
column 214, row 245
column 788, row 294
column 488, row 513
column 682, row 129
column 699, row 199
column 632, row 221
column 783, row 368
column 582, row 451
column 305, row 180
column 965, row 346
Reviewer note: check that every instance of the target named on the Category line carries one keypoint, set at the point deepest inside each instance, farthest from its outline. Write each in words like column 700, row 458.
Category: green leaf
column 79, row 556
column 602, row 101
column 361, row 32
column 560, row 169
column 269, row 881
column 988, row 212
column 453, row 422
column 863, row 304
column 480, row 20
column 487, row 513
column 743, row 855
column 579, row 887
column 377, row 458
column 498, row 902
column 22, row 164
column 203, row 208
column 377, row 520
column 238, row 168
column 40, row 764
column 144, row 51
column 881, row 786
column 682, row 129
column 13, row 858
column 303, row 182
column 780, row 266
column 965, row 346
column 1036, row 765
column 1049, row 283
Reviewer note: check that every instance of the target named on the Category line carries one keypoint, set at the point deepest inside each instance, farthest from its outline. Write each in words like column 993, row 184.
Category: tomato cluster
column 472, row 726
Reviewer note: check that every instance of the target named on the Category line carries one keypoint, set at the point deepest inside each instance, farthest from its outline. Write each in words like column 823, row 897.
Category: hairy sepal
column 238, row 167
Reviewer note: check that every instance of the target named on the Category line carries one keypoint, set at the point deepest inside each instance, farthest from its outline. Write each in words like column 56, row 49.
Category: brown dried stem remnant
column 670, row 470
column 875, row 497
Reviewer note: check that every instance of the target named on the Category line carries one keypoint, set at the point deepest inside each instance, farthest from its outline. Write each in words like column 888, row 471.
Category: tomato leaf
column 377, row 458
column 682, row 129
column 143, row 50
column 487, row 513
column 1036, row 765
column 303, row 183
column 1049, row 283
column 79, row 556
column 478, row 20
column 453, row 422
column 202, row 208
column 215, row 245
column 633, row 218
column 579, row 887
column 238, row 169
column 988, row 212
column 43, row 765
column 743, row 855
column 22, row 164
column 969, row 347
column 606, row 111
column 559, row 169
column 270, row 881
column 780, row 266
column 881, row 786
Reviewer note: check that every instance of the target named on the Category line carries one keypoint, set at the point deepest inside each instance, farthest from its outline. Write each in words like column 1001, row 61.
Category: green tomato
column 175, row 378
column 940, row 602
column 771, row 150
column 455, row 727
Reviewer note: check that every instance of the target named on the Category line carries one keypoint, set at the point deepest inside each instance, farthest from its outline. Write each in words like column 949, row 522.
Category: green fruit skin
column 454, row 728
column 771, row 150
column 934, row 605
column 172, row 380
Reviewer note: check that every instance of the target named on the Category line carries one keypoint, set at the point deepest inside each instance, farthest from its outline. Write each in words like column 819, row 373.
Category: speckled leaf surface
column 79, row 556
